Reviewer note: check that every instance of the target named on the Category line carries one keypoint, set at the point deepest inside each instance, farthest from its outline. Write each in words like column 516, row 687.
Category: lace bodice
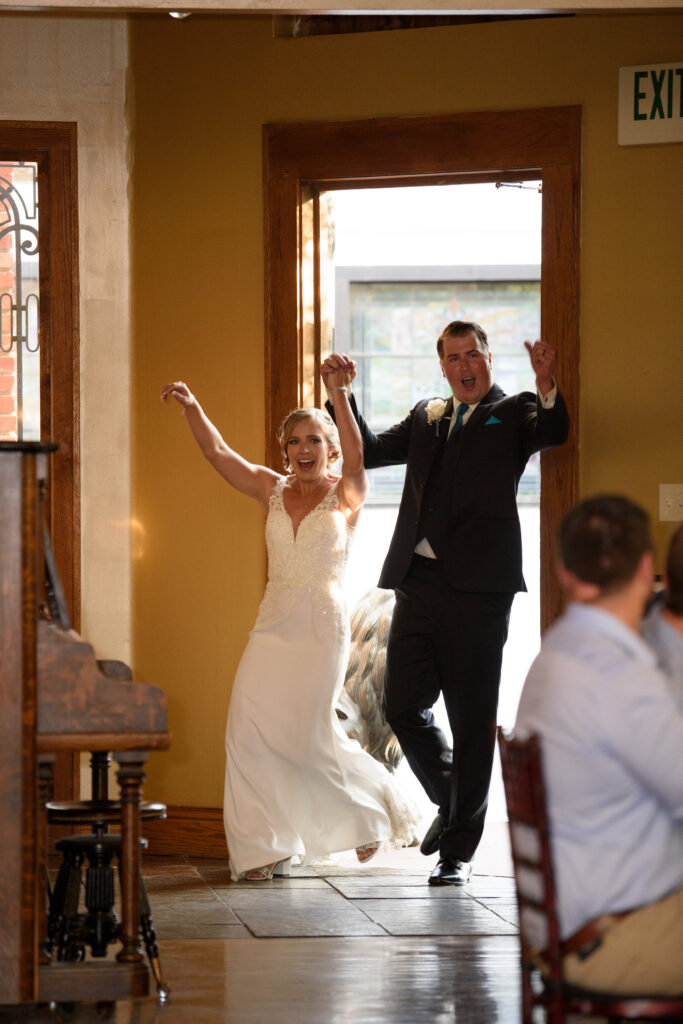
column 317, row 556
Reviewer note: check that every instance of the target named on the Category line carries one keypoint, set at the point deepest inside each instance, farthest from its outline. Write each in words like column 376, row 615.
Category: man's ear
column 646, row 569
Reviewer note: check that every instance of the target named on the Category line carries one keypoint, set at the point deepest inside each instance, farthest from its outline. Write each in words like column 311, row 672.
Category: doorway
column 302, row 160
column 400, row 264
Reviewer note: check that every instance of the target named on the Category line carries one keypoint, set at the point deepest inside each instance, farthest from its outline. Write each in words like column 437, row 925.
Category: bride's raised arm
column 253, row 480
column 338, row 383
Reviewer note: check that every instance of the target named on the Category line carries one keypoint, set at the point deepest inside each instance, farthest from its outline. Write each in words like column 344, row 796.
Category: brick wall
column 8, row 360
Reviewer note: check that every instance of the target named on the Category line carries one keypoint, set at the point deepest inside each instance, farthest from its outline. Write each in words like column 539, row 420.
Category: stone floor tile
column 503, row 906
column 435, row 917
column 170, row 884
column 490, row 885
column 295, row 913
column 216, row 913
column 396, row 888
column 278, row 883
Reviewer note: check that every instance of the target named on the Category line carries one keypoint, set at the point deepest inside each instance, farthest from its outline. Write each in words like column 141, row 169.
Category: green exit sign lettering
column 651, row 104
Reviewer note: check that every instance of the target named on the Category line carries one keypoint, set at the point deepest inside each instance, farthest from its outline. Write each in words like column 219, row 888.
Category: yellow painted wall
column 202, row 90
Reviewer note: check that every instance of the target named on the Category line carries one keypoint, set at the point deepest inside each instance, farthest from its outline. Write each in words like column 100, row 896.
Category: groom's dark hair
column 457, row 328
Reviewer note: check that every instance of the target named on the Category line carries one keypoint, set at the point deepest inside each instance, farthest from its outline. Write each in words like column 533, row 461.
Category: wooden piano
column 54, row 697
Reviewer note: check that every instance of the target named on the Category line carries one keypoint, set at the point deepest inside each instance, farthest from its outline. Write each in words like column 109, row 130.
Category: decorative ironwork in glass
column 19, row 303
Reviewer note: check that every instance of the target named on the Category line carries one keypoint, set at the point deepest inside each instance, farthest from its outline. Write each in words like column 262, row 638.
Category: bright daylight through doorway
column 402, row 263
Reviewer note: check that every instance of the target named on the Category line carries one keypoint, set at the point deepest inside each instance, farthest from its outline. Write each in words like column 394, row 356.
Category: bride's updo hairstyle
column 322, row 419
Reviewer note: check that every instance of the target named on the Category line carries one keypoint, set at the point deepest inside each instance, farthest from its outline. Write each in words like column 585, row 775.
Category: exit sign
column 651, row 104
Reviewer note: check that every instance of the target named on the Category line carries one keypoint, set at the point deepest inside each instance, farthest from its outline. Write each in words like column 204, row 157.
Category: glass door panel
column 19, row 303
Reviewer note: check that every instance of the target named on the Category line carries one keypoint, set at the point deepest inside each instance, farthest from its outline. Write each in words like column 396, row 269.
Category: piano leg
column 130, row 776
column 45, row 787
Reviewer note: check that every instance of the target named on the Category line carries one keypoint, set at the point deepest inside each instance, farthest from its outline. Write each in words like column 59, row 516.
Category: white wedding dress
column 295, row 784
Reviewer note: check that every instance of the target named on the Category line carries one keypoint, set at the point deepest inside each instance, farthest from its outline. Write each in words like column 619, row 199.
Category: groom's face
column 466, row 365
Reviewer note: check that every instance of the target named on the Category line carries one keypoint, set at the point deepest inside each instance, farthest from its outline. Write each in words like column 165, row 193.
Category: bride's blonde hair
column 324, row 421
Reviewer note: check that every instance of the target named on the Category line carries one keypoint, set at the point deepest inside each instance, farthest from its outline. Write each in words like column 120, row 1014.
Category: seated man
column 663, row 625
column 612, row 741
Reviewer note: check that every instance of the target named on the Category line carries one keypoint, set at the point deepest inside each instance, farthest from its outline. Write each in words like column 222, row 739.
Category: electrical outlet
column 671, row 503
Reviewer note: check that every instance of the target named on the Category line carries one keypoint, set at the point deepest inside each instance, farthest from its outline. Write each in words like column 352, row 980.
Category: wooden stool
column 69, row 930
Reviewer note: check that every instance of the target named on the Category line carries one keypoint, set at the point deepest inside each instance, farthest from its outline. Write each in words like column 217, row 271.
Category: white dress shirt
column 612, row 740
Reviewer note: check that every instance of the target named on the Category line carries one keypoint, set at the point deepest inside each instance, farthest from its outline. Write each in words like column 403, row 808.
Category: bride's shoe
column 266, row 873
column 367, row 852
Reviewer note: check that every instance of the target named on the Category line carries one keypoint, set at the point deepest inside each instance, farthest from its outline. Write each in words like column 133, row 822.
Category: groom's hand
column 542, row 358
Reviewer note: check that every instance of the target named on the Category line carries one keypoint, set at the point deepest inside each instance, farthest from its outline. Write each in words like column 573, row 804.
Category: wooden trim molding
column 189, row 832
column 53, row 146
column 544, row 143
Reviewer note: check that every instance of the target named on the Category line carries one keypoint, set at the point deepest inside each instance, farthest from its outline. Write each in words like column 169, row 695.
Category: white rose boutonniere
column 435, row 410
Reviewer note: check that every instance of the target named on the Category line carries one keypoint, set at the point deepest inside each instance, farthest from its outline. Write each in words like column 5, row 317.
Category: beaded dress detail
column 295, row 784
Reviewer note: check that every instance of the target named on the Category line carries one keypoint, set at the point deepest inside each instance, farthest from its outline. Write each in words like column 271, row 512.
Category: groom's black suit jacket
column 474, row 478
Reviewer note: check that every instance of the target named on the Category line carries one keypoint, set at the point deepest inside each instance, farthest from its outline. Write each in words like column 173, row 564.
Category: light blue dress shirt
column 612, row 740
column 667, row 643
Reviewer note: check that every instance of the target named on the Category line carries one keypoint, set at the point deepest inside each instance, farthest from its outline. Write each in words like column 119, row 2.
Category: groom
column 455, row 564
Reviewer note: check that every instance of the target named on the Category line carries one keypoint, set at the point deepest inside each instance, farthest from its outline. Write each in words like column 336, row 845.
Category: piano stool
column 70, row 930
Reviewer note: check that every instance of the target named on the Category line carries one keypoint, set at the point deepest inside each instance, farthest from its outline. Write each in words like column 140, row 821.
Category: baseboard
column 187, row 831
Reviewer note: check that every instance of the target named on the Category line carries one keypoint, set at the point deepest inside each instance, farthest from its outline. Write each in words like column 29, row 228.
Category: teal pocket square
column 491, row 419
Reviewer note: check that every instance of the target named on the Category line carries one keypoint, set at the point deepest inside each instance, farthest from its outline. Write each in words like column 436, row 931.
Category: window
column 19, row 303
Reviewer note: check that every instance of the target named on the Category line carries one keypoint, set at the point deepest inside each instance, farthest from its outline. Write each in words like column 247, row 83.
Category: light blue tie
column 462, row 409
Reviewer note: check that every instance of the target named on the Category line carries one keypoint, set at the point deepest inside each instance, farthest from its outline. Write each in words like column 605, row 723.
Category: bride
column 295, row 784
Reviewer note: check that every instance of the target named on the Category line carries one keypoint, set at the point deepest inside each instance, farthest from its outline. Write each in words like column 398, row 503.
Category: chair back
column 531, row 853
column 543, row 983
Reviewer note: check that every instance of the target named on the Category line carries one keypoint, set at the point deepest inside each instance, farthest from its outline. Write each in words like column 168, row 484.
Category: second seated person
column 296, row 785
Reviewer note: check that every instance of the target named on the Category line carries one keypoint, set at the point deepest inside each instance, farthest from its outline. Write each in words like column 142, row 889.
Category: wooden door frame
column 544, row 143
column 53, row 146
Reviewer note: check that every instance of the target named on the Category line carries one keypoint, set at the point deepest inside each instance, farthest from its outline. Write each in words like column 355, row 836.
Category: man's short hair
column 457, row 328
column 674, row 574
column 602, row 540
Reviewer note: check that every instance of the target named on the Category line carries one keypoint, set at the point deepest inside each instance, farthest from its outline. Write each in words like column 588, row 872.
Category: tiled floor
column 195, row 899
column 338, row 944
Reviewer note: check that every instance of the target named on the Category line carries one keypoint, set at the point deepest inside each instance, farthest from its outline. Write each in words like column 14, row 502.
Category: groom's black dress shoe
column 430, row 843
column 450, row 871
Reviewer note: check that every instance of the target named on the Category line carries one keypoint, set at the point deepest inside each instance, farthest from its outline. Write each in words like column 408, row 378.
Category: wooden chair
column 543, row 982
